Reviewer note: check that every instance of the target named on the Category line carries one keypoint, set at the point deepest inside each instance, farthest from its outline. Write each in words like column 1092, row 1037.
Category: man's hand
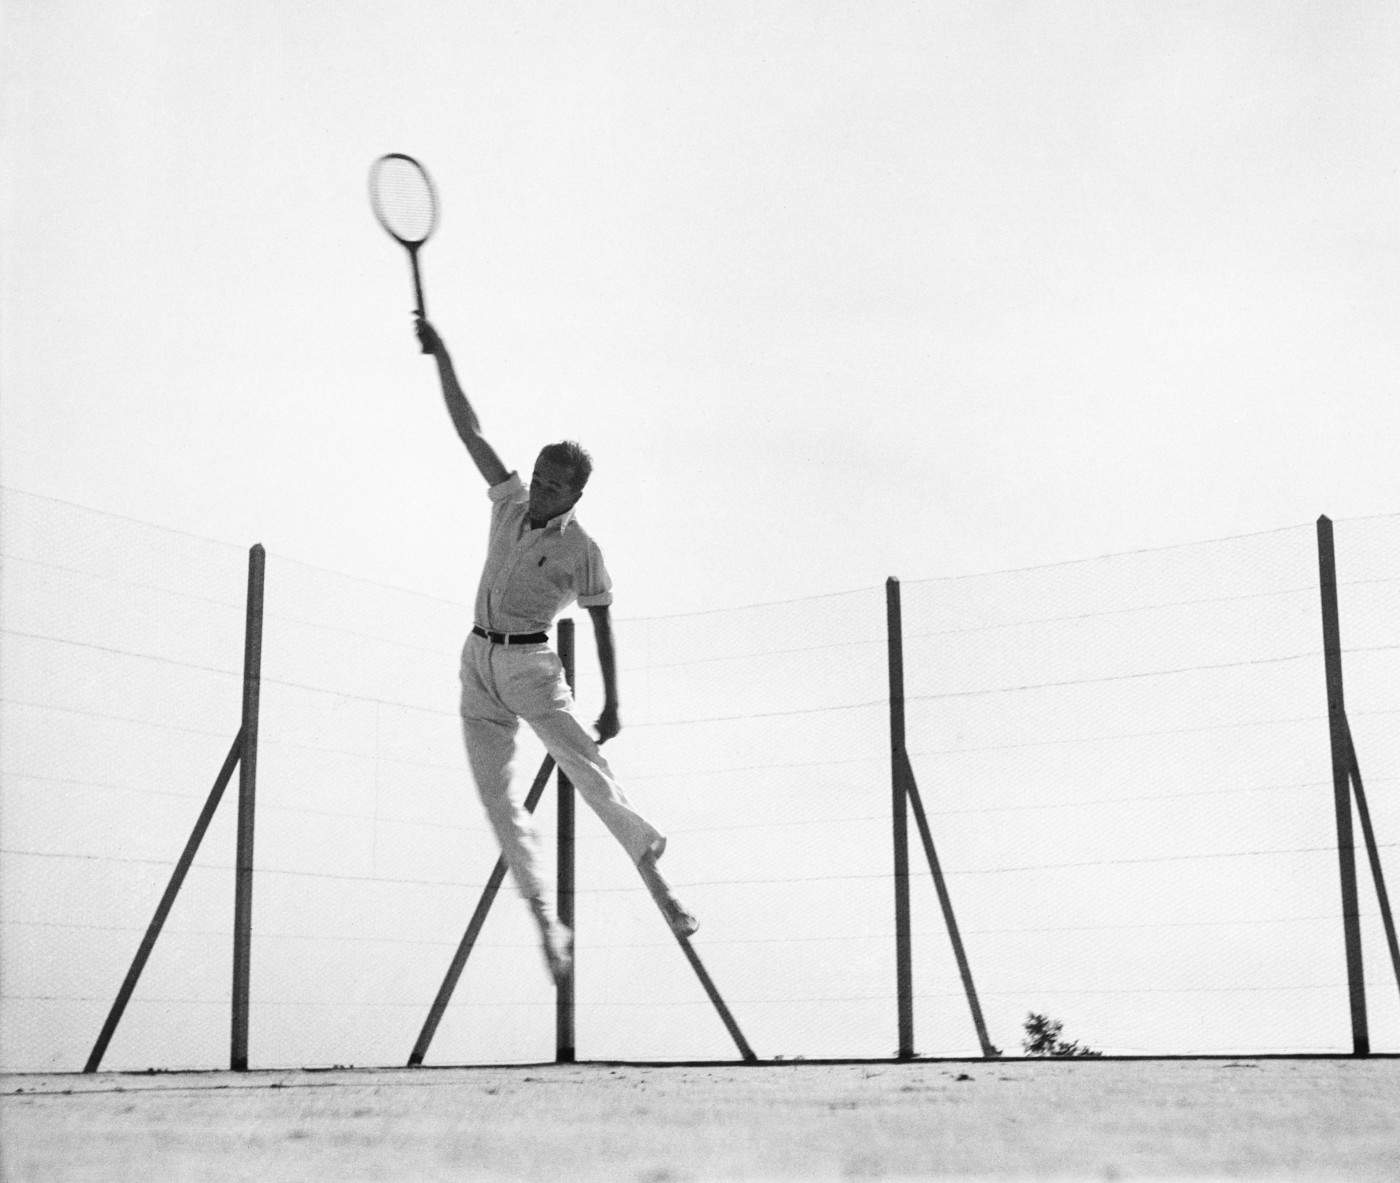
column 428, row 337
column 608, row 723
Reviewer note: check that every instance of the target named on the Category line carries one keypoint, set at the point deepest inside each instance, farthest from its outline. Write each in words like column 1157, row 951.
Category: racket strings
column 403, row 199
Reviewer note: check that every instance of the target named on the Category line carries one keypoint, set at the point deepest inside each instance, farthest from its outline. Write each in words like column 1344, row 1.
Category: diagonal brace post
column 167, row 901
column 945, row 902
column 483, row 908
column 1373, row 853
column 726, row 1016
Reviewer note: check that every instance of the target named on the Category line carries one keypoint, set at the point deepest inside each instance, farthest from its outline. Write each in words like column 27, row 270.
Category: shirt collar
column 560, row 523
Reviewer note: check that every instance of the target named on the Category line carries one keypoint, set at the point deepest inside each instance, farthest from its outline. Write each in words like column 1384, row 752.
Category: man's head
column 561, row 471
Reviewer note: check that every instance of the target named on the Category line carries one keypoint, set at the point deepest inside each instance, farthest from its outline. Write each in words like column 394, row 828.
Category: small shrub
column 1043, row 1038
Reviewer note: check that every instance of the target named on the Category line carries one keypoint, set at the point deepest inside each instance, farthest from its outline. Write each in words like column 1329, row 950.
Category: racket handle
column 419, row 307
column 419, row 313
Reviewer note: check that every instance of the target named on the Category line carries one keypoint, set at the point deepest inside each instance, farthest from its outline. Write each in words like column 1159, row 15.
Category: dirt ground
column 1107, row 1119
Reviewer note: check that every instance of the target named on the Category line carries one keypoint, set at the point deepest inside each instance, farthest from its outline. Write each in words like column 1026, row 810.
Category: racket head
column 403, row 198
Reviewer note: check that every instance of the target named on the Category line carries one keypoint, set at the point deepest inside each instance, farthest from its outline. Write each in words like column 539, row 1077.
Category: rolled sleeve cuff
column 510, row 489
column 600, row 600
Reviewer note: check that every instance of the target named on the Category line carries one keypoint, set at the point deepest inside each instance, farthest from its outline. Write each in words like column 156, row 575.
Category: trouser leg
column 537, row 691
column 489, row 731
column 490, row 752
column 578, row 757
column 575, row 751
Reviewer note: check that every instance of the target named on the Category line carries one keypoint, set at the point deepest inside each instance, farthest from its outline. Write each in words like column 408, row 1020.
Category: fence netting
column 1124, row 761
column 1127, row 766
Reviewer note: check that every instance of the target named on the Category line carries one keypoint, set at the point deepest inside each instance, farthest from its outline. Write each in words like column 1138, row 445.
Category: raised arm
column 608, row 723
column 463, row 417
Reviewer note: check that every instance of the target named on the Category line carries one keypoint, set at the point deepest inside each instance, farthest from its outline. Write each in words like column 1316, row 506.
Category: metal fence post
column 247, row 788
column 1341, row 785
column 904, row 971
column 564, row 988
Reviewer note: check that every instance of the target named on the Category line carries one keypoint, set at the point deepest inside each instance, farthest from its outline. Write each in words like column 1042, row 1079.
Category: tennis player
column 539, row 559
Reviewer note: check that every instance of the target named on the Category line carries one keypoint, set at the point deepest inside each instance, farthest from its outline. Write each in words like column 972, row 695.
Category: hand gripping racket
column 405, row 202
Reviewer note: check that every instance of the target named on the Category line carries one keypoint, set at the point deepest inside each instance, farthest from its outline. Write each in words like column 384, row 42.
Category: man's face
column 551, row 490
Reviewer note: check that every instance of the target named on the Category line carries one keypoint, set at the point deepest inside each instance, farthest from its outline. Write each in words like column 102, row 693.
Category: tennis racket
column 405, row 202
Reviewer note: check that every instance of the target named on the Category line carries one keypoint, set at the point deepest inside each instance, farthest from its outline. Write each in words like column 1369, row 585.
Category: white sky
column 831, row 291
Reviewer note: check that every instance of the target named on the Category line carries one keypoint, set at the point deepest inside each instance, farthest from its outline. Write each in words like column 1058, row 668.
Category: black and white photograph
column 699, row 591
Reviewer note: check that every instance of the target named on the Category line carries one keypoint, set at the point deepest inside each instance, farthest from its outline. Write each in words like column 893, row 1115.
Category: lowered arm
column 608, row 723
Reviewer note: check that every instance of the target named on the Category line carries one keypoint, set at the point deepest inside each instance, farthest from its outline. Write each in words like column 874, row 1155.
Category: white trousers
column 502, row 684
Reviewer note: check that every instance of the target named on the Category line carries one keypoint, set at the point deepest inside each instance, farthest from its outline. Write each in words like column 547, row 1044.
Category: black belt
column 510, row 638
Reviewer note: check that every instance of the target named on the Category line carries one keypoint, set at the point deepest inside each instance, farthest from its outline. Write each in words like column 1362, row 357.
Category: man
column 539, row 560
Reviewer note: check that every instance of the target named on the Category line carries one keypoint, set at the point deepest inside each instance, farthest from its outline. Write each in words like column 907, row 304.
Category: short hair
column 568, row 454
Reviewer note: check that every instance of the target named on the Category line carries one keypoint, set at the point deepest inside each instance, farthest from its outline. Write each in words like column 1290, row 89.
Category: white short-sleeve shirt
column 531, row 576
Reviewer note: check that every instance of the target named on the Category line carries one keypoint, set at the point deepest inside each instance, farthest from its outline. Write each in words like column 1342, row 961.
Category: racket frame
column 411, row 245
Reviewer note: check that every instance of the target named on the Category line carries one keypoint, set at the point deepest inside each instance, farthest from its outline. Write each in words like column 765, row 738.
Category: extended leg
column 490, row 748
column 489, row 730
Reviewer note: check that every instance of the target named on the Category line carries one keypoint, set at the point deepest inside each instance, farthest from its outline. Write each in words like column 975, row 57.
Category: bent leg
column 577, row 754
column 541, row 695
column 538, row 692
column 580, row 760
